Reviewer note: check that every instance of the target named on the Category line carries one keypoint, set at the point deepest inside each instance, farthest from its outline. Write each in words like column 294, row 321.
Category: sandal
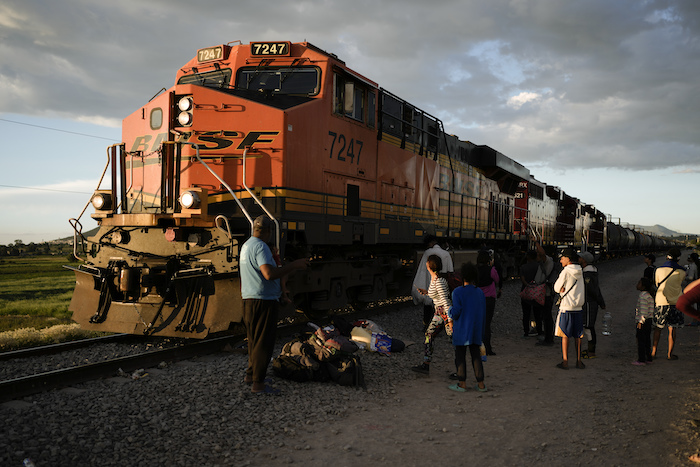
column 456, row 388
column 484, row 389
column 580, row 365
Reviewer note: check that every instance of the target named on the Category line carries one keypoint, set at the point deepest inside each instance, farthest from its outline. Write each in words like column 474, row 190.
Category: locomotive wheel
column 302, row 303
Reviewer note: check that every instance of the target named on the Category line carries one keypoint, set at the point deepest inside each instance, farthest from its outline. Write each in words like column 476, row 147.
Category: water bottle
column 607, row 324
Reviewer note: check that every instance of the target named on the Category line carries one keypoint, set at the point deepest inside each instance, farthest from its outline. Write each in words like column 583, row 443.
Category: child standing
column 439, row 292
column 469, row 315
column 643, row 317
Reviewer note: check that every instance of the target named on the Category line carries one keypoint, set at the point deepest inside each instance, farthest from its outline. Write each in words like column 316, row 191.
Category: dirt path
column 611, row 413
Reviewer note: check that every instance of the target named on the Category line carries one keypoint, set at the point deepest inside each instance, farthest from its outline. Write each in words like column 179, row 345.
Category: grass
column 35, row 292
column 31, row 337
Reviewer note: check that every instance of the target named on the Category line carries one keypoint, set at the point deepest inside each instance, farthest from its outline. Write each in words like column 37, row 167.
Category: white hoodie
column 422, row 279
column 571, row 286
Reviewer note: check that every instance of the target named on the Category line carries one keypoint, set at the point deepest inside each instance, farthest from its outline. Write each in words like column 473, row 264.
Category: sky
column 598, row 97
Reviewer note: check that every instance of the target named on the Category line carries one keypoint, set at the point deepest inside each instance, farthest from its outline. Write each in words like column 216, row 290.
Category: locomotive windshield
column 210, row 79
column 280, row 80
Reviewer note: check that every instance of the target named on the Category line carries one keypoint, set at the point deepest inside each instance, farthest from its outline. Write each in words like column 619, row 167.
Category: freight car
column 352, row 175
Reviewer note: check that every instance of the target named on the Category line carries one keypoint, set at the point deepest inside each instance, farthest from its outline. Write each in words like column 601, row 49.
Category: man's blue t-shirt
column 254, row 253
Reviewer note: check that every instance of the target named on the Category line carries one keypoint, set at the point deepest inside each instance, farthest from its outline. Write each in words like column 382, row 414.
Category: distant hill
column 662, row 231
column 89, row 233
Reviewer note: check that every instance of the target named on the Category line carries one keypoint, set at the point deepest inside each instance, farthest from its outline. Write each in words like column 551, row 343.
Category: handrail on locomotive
column 111, row 160
column 75, row 222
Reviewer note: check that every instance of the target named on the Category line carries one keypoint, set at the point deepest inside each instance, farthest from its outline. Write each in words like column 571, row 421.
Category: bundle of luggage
column 329, row 353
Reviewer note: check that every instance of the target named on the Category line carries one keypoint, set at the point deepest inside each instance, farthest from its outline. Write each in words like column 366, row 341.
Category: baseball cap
column 569, row 253
column 587, row 256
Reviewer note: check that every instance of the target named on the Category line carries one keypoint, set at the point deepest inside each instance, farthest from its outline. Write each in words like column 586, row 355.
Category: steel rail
column 61, row 347
column 33, row 384
column 28, row 385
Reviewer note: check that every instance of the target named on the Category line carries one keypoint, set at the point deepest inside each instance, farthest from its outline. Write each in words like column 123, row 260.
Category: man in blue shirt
column 260, row 290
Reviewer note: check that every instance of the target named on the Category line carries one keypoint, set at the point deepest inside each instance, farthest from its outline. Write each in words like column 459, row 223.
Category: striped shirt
column 439, row 291
column 645, row 307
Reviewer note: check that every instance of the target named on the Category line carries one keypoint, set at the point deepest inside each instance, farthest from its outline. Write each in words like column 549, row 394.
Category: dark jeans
column 644, row 342
column 547, row 319
column 590, row 314
column 490, row 308
column 461, row 362
column 260, row 319
column 531, row 309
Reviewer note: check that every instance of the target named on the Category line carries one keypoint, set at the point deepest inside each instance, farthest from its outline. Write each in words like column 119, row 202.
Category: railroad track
column 62, row 347
column 27, row 385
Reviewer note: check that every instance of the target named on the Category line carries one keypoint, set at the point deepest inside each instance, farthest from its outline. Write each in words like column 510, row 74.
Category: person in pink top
column 487, row 280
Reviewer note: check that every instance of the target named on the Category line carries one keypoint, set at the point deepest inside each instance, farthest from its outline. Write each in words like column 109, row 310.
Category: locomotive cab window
column 352, row 99
column 156, row 119
column 211, row 79
column 280, row 80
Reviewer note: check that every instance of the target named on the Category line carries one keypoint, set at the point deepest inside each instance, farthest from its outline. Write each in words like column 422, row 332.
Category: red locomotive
column 352, row 175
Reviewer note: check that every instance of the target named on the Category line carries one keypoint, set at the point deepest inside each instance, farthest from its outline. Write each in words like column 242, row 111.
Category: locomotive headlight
column 102, row 201
column 193, row 202
column 185, row 118
column 185, row 104
column 189, row 200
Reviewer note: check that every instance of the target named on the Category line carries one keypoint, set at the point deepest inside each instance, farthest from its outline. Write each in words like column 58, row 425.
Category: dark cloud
column 577, row 84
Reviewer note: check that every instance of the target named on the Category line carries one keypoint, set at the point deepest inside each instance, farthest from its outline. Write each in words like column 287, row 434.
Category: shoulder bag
column 534, row 292
column 566, row 293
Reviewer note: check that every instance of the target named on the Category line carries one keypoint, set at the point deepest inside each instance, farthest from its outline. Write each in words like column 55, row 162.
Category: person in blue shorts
column 669, row 288
column 571, row 289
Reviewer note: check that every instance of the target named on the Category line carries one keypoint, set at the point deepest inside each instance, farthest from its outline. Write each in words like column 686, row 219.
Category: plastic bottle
column 607, row 324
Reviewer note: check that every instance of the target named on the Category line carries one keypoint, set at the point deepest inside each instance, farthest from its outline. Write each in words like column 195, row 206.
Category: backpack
column 289, row 367
column 346, row 371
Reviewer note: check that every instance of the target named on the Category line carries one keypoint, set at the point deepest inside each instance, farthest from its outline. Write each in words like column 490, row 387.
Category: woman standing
column 487, row 280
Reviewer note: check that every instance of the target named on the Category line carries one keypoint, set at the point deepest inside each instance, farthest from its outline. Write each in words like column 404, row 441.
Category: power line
column 44, row 189
column 56, row 129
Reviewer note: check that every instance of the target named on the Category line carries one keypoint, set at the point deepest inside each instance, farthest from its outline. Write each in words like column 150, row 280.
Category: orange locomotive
column 353, row 176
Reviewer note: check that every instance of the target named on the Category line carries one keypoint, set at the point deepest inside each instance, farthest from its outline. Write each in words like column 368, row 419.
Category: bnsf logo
column 207, row 141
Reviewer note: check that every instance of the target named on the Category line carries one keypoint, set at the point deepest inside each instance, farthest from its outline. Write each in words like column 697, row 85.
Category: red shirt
column 686, row 301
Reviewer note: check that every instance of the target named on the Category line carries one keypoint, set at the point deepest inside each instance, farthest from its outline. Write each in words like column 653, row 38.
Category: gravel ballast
column 199, row 412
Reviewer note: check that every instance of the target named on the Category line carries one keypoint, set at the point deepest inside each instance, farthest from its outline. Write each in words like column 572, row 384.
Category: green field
column 34, row 292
